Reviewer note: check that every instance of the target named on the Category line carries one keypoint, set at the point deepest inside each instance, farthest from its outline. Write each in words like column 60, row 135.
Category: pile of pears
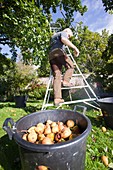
column 52, row 132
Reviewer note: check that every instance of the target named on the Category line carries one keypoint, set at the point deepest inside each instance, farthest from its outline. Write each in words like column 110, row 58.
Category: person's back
column 56, row 41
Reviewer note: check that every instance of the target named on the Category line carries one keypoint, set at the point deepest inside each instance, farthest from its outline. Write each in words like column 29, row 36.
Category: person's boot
column 58, row 101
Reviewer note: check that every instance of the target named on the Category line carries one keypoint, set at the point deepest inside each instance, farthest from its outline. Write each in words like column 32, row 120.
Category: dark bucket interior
column 62, row 156
column 106, row 105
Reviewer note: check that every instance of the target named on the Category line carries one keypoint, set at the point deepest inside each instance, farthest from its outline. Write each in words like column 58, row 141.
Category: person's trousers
column 56, row 66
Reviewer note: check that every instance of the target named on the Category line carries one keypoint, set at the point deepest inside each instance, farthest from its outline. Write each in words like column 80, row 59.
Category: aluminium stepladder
column 90, row 94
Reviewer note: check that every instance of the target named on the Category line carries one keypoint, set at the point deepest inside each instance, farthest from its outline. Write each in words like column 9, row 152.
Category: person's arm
column 67, row 42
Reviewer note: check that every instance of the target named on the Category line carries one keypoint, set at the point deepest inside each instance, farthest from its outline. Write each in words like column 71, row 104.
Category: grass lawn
column 98, row 142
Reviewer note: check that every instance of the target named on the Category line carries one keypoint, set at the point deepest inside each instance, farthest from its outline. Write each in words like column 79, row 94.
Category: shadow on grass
column 7, row 104
column 9, row 154
column 99, row 121
column 30, row 108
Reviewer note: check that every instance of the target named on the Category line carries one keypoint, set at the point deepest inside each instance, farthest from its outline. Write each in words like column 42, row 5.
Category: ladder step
column 74, row 75
column 72, row 102
column 78, row 101
column 49, row 104
column 69, row 55
column 75, row 87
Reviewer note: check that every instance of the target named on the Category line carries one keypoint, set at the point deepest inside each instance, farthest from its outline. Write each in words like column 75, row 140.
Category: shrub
column 37, row 90
column 14, row 78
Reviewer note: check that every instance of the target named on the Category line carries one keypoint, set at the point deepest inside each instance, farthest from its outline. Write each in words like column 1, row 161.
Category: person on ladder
column 58, row 58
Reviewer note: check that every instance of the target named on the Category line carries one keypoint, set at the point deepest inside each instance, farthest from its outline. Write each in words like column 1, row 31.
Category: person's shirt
column 56, row 41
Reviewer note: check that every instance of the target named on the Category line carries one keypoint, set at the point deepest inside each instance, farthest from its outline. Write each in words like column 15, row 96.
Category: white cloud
column 103, row 22
column 95, row 18
column 109, row 24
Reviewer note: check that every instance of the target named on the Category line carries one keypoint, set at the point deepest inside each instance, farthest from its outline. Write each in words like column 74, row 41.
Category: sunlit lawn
column 98, row 142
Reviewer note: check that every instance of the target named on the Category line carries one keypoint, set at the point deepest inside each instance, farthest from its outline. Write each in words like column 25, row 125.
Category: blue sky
column 95, row 18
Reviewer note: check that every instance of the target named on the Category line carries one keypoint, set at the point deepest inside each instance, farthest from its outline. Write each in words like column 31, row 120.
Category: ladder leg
column 81, row 73
column 47, row 95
